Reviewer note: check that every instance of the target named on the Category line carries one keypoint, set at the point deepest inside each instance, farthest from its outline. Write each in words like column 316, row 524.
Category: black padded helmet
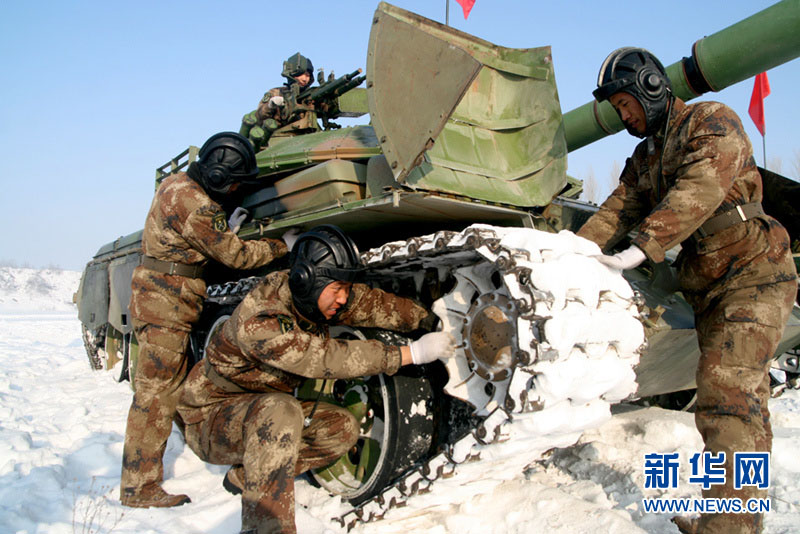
column 224, row 159
column 321, row 256
column 639, row 73
column 297, row 65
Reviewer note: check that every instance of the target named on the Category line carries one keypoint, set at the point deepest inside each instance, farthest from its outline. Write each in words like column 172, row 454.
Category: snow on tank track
column 537, row 386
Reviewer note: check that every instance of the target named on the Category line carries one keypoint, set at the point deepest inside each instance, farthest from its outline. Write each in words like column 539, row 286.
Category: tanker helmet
column 639, row 73
column 297, row 65
column 225, row 159
column 321, row 256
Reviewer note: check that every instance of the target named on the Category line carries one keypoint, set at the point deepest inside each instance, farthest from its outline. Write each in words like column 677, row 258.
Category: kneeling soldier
column 238, row 404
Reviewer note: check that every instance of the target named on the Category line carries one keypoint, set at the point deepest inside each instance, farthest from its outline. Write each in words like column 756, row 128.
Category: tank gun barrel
column 332, row 88
column 758, row 43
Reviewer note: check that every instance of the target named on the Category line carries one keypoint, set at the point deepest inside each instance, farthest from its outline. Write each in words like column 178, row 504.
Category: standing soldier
column 693, row 182
column 273, row 112
column 186, row 226
column 238, row 404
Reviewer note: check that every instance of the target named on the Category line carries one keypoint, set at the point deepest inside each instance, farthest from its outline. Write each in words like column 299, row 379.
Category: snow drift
column 62, row 427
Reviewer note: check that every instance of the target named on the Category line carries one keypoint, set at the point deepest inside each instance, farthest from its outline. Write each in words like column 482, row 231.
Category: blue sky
column 94, row 95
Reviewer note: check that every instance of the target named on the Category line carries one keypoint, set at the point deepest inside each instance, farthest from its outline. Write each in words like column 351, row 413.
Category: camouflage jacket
column 266, row 346
column 184, row 225
column 705, row 168
column 302, row 122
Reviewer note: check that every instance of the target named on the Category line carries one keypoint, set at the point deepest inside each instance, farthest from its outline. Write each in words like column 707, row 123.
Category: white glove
column 627, row 259
column 237, row 218
column 432, row 346
column 290, row 236
column 276, row 102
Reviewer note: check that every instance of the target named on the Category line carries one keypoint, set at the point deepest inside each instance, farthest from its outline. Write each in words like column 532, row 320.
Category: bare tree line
column 593, row 191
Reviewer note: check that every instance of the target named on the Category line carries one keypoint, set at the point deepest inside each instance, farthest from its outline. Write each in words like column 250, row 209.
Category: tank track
column 552, row 342
column 568, row 332
column 92, row 341
column 231, row 292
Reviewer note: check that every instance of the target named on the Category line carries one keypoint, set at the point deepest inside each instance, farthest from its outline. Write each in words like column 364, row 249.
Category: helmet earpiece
column 217, row 175
column 651, row 83
column 301, row 278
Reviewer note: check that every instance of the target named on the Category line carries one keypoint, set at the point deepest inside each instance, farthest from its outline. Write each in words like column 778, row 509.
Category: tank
column 457, row 191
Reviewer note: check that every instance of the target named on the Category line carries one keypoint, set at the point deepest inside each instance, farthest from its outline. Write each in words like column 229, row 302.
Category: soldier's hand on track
column 627, row 259
column 432, row 346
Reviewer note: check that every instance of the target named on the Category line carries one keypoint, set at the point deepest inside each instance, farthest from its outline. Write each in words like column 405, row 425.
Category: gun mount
column 300, row 110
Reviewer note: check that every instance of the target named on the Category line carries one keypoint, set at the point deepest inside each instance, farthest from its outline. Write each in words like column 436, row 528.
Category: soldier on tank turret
column 185, row 228
column 238, row 404
column 272, row 112
column 693, row 182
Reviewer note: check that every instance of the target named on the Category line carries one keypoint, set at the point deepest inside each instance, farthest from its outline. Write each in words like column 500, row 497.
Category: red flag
column 760, row 92
column 466, row 5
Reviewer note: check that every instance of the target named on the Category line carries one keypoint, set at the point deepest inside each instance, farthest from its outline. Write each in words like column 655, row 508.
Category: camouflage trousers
column 738, row 336
column 160, row 372
column 265, row 433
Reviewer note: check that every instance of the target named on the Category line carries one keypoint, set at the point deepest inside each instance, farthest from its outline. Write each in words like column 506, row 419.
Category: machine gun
column 322, row 99
column 320, row 102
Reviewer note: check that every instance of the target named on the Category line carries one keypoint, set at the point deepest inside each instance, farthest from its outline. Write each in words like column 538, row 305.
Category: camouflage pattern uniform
column 238, row 403
column 184, row 226
column 303, row 122
column 741, row 281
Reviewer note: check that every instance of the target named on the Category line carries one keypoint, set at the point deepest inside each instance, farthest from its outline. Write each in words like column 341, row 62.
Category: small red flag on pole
column 760, row 92
column 466, row 5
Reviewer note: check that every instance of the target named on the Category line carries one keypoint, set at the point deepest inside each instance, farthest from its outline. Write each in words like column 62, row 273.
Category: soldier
column 693, row 182
column 185, row 228
column 238, row 403
column 273, row 113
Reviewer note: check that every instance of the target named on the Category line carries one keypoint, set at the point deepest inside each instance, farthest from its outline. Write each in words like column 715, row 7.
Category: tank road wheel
column 397, row 428
column 394, row 435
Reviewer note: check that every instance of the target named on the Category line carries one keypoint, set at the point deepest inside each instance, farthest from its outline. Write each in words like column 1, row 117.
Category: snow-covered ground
column 62, row 426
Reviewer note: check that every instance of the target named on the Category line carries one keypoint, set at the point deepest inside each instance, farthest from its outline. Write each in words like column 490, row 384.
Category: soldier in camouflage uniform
column 693, row 182
column 238, row 403
column 273, row 110
column 185, row 228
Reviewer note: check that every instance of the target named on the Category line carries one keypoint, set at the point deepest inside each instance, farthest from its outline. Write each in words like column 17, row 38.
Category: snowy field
column 62, row 427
